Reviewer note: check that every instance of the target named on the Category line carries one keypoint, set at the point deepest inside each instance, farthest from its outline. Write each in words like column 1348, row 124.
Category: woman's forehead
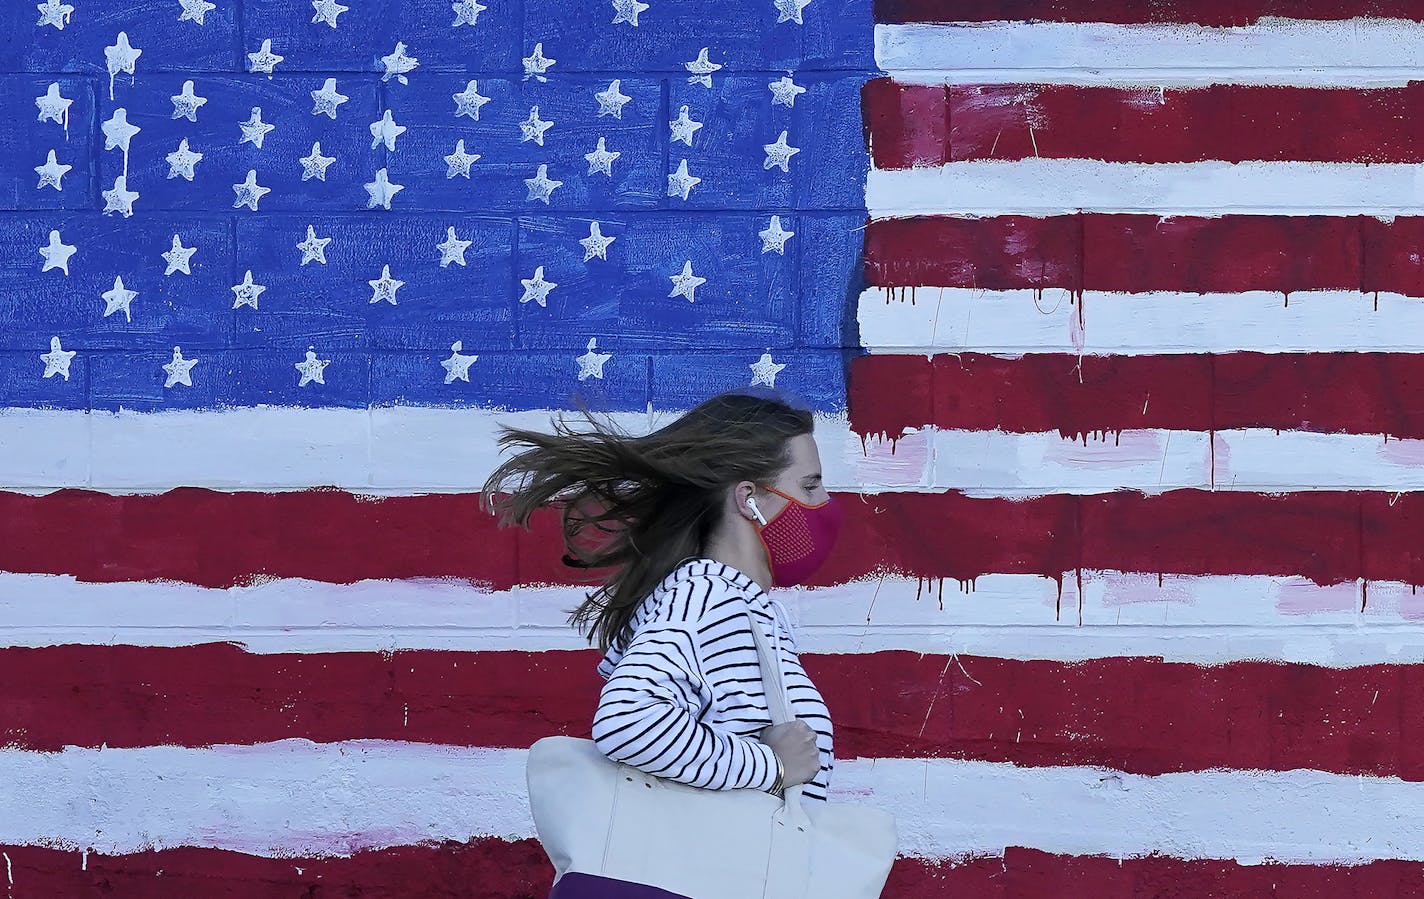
column 805, row 457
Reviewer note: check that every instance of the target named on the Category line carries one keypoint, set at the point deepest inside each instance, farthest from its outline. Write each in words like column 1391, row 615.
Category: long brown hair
column 654, row 499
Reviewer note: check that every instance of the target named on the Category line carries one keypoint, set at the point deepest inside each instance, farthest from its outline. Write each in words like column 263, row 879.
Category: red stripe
column 1327, row 536
column 496, row 869
column 1001, row 253
column 486, row 868
column 1228, row 122
column 935, row 535
column 1351, row 392
column 1031, row 874
column 1133, row 12
column 220, row 539
column 905, row 124
column 1137, row 715
column 1142, row 253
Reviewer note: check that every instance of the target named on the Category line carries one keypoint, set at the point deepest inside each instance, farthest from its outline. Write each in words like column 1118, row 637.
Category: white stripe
column 938, row 319
column 396, row 450
column 293, row 797
column 1044, row 187
column 419, row 450
column 997, row 463
column 1358, row 52
column 1182, row 619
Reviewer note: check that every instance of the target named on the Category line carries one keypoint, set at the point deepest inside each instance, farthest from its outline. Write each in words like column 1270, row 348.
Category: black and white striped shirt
column 684, row 699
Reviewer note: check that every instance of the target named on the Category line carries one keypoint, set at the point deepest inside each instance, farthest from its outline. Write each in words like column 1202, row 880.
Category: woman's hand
column 795, row 744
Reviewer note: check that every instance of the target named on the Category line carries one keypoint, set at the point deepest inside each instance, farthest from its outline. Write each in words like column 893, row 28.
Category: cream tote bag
column 602, row 817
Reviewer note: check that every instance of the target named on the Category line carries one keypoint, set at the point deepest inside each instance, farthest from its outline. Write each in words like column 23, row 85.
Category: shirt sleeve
column 648, row 713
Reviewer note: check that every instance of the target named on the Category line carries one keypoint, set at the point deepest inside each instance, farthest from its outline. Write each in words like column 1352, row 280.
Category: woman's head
column 641, row 505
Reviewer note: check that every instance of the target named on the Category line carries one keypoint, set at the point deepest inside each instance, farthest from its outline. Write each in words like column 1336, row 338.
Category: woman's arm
column 648, row 717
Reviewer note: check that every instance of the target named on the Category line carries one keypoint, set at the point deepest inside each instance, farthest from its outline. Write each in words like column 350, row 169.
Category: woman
column 697, row 520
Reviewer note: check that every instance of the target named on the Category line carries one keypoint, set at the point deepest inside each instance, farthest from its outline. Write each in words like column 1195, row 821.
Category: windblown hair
column 653, row 500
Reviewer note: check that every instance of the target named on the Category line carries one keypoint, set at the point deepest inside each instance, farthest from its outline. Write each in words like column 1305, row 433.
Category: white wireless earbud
column 752, row 504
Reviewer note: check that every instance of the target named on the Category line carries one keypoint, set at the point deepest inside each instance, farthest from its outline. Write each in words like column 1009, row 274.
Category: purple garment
column 577, row 885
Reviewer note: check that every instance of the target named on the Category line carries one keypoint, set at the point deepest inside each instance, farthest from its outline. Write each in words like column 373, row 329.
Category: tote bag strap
column 774, row 683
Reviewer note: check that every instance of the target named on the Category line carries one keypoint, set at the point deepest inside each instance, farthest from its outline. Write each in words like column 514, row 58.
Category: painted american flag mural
column 1109, row 313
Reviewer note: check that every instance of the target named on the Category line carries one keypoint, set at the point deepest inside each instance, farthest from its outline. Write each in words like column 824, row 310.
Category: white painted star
column 785, row 91
column 611, row 100
column 385, row 287
column 683, row 127
column 536, row 288
column 685, row 282
column 764, row 371
column 457, row 366
column 179, row 257
column 119, row 297
column 773, row 237
column 536, row 63
column 53, row 12
column 790, row 10
column 541, row 186
column 194, row 10
column 469, row 101
column 385, row 131
column 680, row 183
column 313, row 248
column 382, row 190
column 779, row 154
column 466, row 12
column 533, row 128
column 185, row 105
column 397, row 64
column 459, row 162
column 57, row 254
column 327, row 11
column 179, row 371
column 119, row 198
column 56, row 361
column 182, row 160
column 51, row 172
column 118, row 131
column 312, row 368
column 254, row 130
column 120, row 58
column 453, row 249
column 327, row 99
column 627, row 11
column 591, row 363
column 249, row 191
column 53, row 107
column 601, row 159
column 263, row 60
column 595, row 244
column 246, row 293
column 701, row 69
column 314, row 165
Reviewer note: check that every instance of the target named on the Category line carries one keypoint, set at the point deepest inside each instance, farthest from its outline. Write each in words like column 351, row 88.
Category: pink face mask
column 799, row 539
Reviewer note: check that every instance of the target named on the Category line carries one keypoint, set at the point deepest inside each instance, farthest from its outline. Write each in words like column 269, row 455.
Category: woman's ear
column 741, row 492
